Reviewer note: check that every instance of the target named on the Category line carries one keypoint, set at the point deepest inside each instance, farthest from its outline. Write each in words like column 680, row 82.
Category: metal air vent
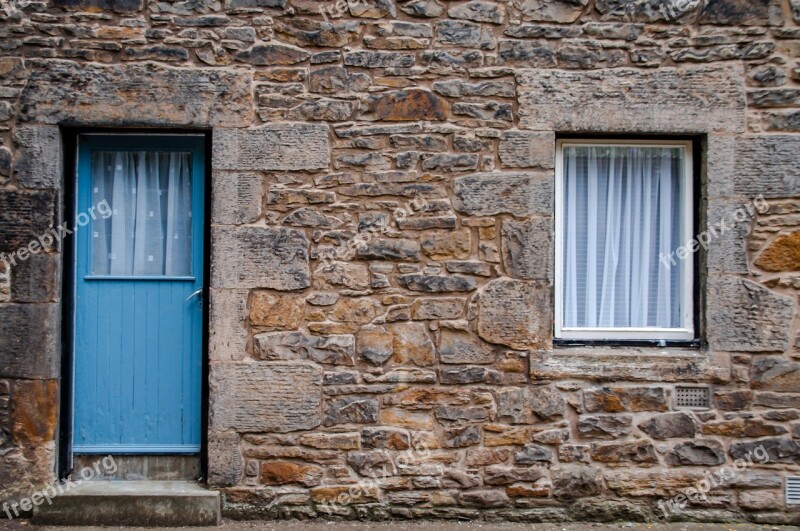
column 793, row 490
column 693, row 397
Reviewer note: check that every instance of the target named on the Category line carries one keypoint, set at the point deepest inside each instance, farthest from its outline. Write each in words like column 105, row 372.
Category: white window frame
column 686, row 330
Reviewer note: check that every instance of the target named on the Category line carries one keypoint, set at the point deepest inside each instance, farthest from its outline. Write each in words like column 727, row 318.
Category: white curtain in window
column 150, row 229
column 623, row 212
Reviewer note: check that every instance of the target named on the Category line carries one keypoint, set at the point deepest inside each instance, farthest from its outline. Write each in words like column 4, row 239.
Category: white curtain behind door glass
column 623, row 211
column 150, row 229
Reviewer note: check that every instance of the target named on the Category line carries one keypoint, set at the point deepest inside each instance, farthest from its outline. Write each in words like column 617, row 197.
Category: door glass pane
column 624, row 213
column 150, row 229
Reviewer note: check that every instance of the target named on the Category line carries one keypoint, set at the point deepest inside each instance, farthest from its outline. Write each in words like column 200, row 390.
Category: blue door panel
column 137, row 339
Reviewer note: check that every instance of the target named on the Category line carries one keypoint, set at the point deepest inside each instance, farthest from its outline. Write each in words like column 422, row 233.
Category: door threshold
column 132, row 503
column 139, row 467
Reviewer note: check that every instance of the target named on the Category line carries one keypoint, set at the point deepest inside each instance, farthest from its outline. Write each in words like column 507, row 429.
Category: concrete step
column 132, row 503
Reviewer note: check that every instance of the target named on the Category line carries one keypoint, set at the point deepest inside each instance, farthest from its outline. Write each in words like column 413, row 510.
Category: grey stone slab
column 30, row 341
column 64, row 92
column 527, row 248
column 24, row 216
column 518, row 194
column 39, row 156
column 236, row 197
column 515, row 313
column 259, row 257
column 227, row 327
column 767, row 165
column 668, row 100
column 283, row 146
column 277, row 396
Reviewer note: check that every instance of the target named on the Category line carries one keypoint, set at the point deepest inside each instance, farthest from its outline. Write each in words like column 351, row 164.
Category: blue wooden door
column 138, row 316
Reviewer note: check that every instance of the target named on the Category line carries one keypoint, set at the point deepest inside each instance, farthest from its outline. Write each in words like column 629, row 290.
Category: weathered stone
column 766, row 165
column 479, row 11
column 272, row 55
column 38, row 163
column 225, row 463
column 228, row 315
column 422, row 8
column 372, row 9
column 356, row 310
column 532, row 454
column 292, row 403
column 265, row 258
column 589, row 364
column 437, row 308
column 783, row 254
column 331, row 494
column 746, row 317
column 374, row 344
column 280, row 472
column 515, row 313
column 574, row 453
column 528, row 248
column 237, row 197
column 278, row 312
column 647, row 10
column 426, row 398
column 456, row 347
column 775, row 374
column 523, row 149
column 551, row 11
column 407, row 105
column 447, row 162
column 346, row 274
column 518, row 194
column 777, row 450
column 777, row 401
column 641, row 452
column 518, row 405
column 465, row 34
column 525, row 54
column 707, row 98
column 336, row 350
column 385, row 438
column 491, row 111
column 742, row 428
column 456, row 88
column 469, row 267
column 389, row 249
column 740, row 12
column 605, row 426
column 412, row 344
column 506, row 475
column 696, row 453
column 462, row 375
column 483, row 498
column 406, row 419
column 432, row 283
column 61, row 92
column 283, row 146
column 670, row 425
column 350, row 410
column 29, row 344
column 366, row 59
column 308, row 32
column 575, row 482
column 617, row 399
column 117, row 6
column 732, row 400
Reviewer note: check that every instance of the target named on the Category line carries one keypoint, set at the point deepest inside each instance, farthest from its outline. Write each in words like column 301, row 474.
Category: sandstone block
column 437, row 308
column 639, row 452
column 335, row 350
column 39, row 156
column 525, row 149
column 260, row 257
column 135, row 94
column 783, row 254
column 457, row 347
column 670, row 425
column 280, row 146
column 617, row 399
column 518, row 194
column 605, row 426
column 237, row 197
column 278, row 312
column 574, row 482
column 436, row 283
column 515, row 313
column 775, row 374
column 279, row 472
column 375, row 344
column 385, row 438
column 30, row 342
column 227, row 335
column 746, row 317
column 696, row 453
column 444, row 245
column 528, row 248
column 407, row 105
column 350, row 410
column 708, row 98
column 412, row 344
column 767, row 165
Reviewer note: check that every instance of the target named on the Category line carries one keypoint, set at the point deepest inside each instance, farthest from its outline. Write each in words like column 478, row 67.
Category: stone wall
column 414, row 374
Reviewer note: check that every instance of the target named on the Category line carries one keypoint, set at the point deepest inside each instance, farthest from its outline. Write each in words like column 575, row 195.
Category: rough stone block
column 526, row 149
column 268, row 397
column 30, row 344
column 351, row 410
column 767, row 165
column 227, row 331
column 617, row 399
column 37, row 279
column 117, row 6
column 225, row 463
column 518, row 194
column 282, row 146
column 775, row 374
column 515, row 313
column 459, row 347
column 259, row 257
column 633, row 365
column 707, row 98
column 277, row 312
column 237, row 197
column 746, row 317
column 726, row 251
column 39, row 156
column 528, row 248
column 64, row 92
column 24, row 216
column 335, row 349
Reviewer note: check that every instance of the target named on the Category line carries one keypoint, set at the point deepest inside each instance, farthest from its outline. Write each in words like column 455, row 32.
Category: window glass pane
column 623, row 212
column 150, row 229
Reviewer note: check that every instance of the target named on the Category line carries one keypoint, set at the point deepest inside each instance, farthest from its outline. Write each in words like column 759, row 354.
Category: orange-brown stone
column 284, row 472
column 35, row 411
column 411, row 104
column 279, row 312
column 782, row 255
